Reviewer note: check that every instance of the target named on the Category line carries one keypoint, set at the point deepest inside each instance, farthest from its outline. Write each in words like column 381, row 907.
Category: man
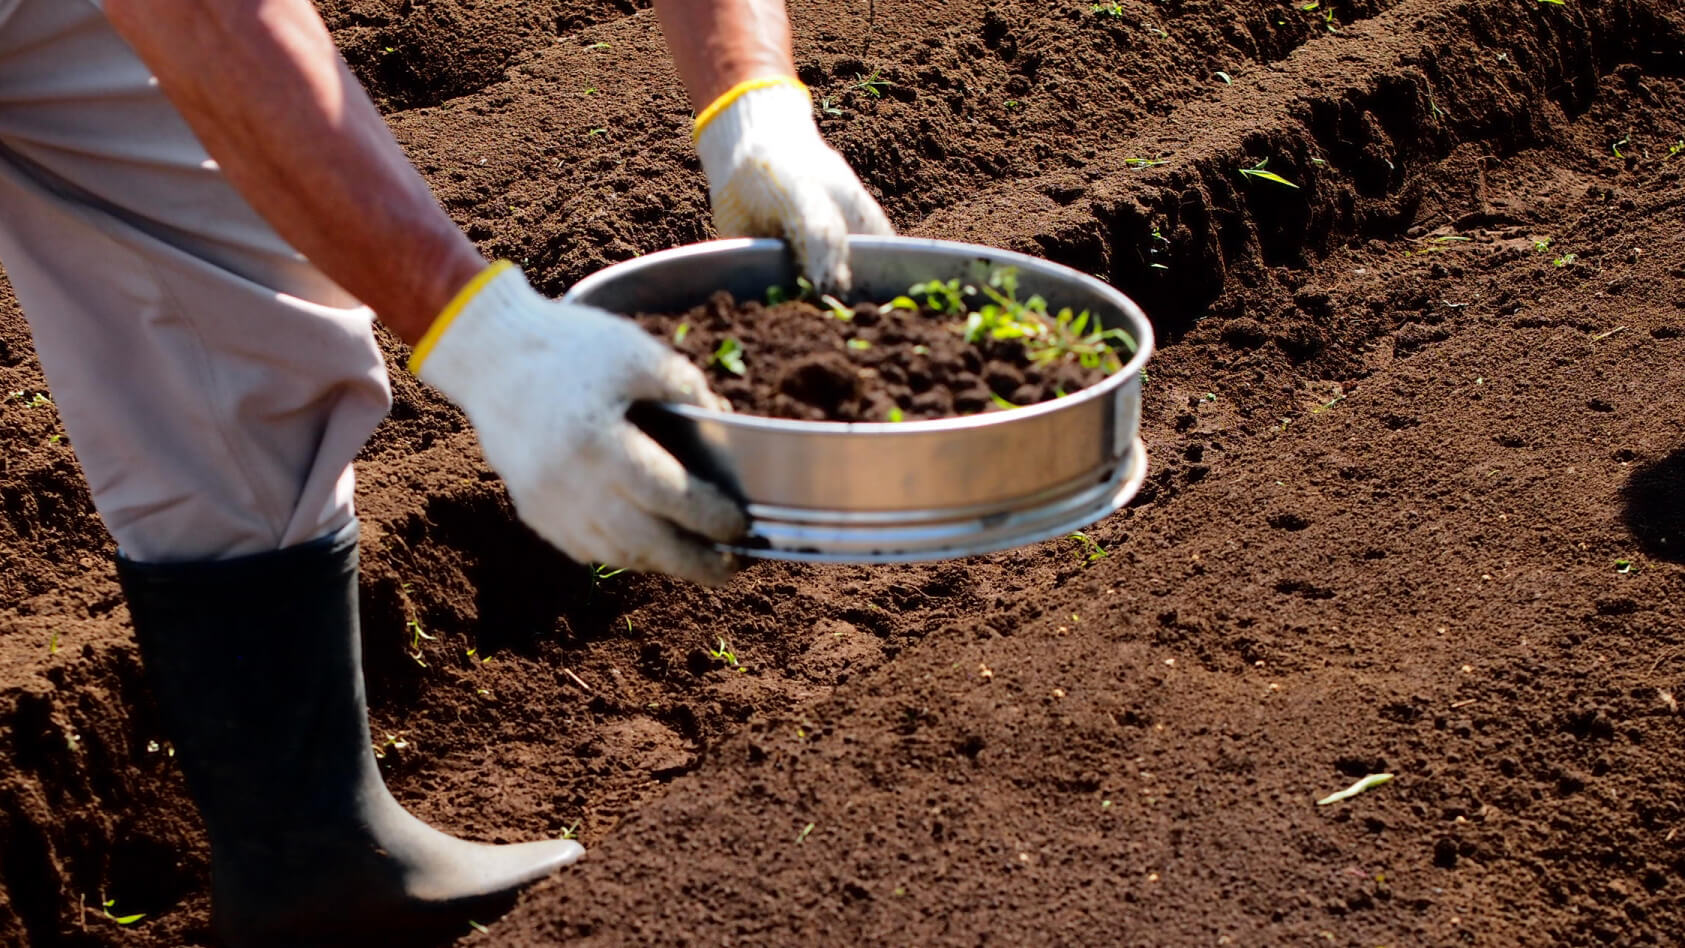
column 194, row 197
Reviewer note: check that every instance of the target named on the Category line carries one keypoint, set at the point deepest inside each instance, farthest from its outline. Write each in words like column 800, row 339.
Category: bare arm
column 718, row 43
column 260, row 83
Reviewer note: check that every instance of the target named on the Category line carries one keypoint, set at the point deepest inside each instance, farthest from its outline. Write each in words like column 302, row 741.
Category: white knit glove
column 771, row 175
column 547, row 386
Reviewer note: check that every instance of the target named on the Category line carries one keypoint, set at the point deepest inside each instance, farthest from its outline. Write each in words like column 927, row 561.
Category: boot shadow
column 1653, row 507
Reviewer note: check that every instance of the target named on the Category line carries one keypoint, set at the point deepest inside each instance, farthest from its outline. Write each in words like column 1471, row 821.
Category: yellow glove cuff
column 448, row 315
column 736, row 92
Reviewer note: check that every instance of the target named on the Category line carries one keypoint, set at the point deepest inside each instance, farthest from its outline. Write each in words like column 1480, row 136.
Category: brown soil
column 1414, row 507
column 798, row 361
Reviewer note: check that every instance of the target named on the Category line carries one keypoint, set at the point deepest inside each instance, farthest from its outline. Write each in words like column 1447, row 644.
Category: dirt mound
column 1413, row 508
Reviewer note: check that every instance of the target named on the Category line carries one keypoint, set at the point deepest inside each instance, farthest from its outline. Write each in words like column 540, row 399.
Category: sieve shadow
column 1653, row 507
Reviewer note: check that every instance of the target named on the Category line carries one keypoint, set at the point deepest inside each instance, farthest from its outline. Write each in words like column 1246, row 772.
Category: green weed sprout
column 1616, row 147
column 604, row 571
column 1145, row 162
column 680, row 332
column 729, row 356
column 1676, row 149
column 836, row 308
column 725, row 654
column 105, row 908
column 1112, row 8
column 896, row 414
column 1046, row 337
column 1089, row 549
column 1228, row 80
column 776, row 294
column 597, row 46
column 571, row 832
column 1542, row 245
column 1367, row 783
column 1566, row 259
column 873, row 85
column 947, row 298
column 1257, row 171
column 826, row 107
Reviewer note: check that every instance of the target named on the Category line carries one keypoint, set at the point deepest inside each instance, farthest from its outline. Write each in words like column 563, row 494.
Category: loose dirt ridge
column 1415, row 507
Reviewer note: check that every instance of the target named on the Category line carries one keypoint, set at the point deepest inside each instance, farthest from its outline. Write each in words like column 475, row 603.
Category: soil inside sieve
column 795, row 359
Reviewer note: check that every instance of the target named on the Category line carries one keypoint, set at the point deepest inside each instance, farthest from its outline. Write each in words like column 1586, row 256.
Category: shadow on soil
column 1653, row 506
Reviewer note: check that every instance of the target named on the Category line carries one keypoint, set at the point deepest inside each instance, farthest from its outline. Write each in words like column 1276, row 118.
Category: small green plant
column 836, row 308
column 874, row 85
column 593, row 133
column 1616, row 147
column 1257, row 171
column 589, row 90
column 1542, row 245
column 802, row 836
column 603, row 571
column 680, row 332
column 1676, row 149
column 1228, row 80
column 1328, row 21
column 105, row 909
column 896, row 414
column 394, row 744
column 1566, row 260
column 776, row 294
column 859, row 345
column 53, row 644
column 1145, row 162
column 1089, row 549
column 729, row 356
column 1046, row 337
column 1555, row 3
column 948, row 298
column 571, row 832
column 1112, row 8
column 827, row 107
column 1011, row 104
column 1626, row 567
column 724, row 654
column 596, row 46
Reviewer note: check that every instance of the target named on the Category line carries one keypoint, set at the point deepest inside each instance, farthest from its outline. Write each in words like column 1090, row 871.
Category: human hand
column 771, row 175
column 546, row 385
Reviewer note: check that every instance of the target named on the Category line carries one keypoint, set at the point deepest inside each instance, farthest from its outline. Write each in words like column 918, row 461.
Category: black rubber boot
column 257, row 666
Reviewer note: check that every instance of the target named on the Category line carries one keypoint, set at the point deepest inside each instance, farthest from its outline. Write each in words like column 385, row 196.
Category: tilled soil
column 1417, row 460
column 795, row 360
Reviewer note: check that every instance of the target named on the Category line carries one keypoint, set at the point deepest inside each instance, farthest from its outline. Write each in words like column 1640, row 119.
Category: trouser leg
column 214, row 385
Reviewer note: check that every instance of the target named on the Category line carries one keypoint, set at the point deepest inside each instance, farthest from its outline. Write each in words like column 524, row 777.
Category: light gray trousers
column 215, row 385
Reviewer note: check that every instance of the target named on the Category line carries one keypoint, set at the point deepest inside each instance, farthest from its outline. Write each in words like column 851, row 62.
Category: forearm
column 718, row 43
column 262, row 87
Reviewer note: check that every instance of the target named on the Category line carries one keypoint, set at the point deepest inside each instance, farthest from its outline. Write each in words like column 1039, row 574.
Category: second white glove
column 771, row 175
column 546, row 385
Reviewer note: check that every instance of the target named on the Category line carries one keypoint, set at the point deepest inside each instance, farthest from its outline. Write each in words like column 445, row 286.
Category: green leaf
column 729, row 356
column 680, row 332
column 900, row 302
column 1257, row 171
column 859, row 344
column 1003, row 403
column 896, row 414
